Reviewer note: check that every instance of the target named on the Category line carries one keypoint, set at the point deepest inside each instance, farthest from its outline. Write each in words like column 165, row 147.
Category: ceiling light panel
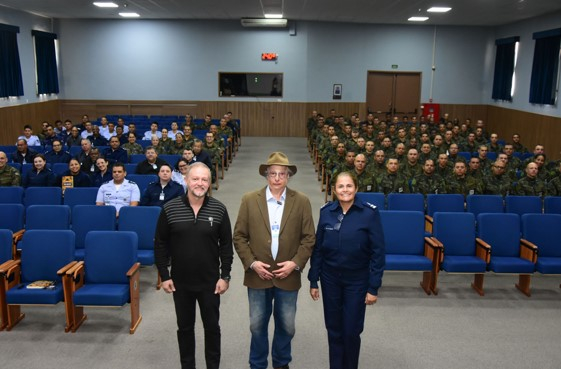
column 106, row 5
column 439, row 9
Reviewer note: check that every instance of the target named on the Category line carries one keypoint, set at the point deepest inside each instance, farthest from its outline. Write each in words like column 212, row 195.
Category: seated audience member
column 152, row 163
column 66, row 129
column 428, row 182
column 153, row 131
column 23, row 153
column 123, row 139
column 74, row 139
column 50, row 136
column 517, row 145
column 121, row 123
column 160, row 149
column 200, row 155
column 97, row 138
column 29, row 137
column 553, row 186
column 9, row 176
column 103, row 173
column 159, row 192
column 82, row 125
column 115, row 153
column 165, row 140
column 40, row 175
column 119, row 191
column 189, row 121
column 497, row 181
column 189, row 156
column 207, row 122
column 132, row 129
column 132, row 147
column 174, row 130
column 178, row 146
column 88, row 130
column 179, row 175
column 43, row 132
column 84, row 155
column 392, row 181
column 57, row 154
column 188, row 137
column 59, row 128
column 461, row 183
column 530, row 184
column 104, row 128
column 79, row 178
column 110, row 131
column 90, row 168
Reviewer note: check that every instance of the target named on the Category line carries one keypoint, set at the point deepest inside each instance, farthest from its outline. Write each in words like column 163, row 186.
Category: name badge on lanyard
column 275, row 230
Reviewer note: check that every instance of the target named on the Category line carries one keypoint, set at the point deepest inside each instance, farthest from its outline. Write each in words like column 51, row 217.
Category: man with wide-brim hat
column 274, row 237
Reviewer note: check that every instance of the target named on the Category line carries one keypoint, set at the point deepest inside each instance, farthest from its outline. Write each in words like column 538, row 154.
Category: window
column 45, row 62
column 11, row 83
column 545, row 68
column 505, row 61
column 231, row 84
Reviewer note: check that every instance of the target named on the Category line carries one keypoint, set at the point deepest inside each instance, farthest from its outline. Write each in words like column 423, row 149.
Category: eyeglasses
column 280, row 175
column 337, row 225
column 182, row 166
column 502, row 168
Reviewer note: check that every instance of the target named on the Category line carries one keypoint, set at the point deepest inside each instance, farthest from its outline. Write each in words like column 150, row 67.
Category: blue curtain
column 45, row 57
column 504, row 68
column 545, row 67
column 11, row 83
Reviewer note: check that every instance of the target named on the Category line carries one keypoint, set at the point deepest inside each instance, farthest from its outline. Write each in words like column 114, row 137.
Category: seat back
column 501, row 231
column 477, row 204
column 170, row 159
column 142, row 220
column 59, row 168
column 375, row 198
column 543, row 230
column 109, row 255
column 552, row 205
column 80, row 196
column 406, row 201
column 136, row 158
column 142, row 180
column 12, row 216
column 523, row 204
column 397, row 240
column 5, row 245
column 44, row 252
column 47, row 217
column 451, row 202
column 42, row 196
column 456, row 231
column 11, row 195
column 86, row 218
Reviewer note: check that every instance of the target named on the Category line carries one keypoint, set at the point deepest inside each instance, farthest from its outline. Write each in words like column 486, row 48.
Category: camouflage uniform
column 530, row 187
column 214, row 151
column 465, row 186
column 410, row 171
column 226, row 131
column 554, row 187
column 176, row 149
column 377, row 169
column 445, row 173
column 133, row 149
column 9, row 176
column 334, row 160
column 428, row 184
column 366, row 182
column 424, row 157
column 392, row 182
column 497, row 185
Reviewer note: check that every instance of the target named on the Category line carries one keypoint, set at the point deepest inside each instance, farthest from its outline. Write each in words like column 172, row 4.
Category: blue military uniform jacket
column 154, row 195
column 349, row 244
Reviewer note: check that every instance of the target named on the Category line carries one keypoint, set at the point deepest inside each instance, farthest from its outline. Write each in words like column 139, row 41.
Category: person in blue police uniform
column 118, row 192
column 349, row 260
column 159, row 192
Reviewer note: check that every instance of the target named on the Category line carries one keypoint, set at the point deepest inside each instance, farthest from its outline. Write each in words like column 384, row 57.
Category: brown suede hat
column 277, row 158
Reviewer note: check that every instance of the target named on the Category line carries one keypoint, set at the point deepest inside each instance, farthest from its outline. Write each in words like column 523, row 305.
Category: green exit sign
column 394, row 66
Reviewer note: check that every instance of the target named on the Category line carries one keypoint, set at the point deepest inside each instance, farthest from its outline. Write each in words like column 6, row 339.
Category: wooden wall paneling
column 463, row 112
column 13, row 118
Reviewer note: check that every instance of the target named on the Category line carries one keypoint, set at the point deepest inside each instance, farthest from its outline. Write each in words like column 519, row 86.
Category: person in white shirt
column 32, row 140
column 153, row 131
column 118, row 192
column 88, row 130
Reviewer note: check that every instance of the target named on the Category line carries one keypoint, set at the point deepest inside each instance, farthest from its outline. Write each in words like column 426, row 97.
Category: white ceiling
column 464, row 12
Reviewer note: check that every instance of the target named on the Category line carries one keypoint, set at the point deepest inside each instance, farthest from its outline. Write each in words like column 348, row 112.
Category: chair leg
column 136, row 318
column 478, row 283
column 14, row 316
column 78, row 316
column 523, row 284
column 426, row 282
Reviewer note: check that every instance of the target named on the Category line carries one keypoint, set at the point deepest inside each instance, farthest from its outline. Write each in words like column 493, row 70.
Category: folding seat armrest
column 5, row 266
column 135, row 268
column 428, row 224
column 528, row 251
column 440, row 245
column 62, row 271
column 482, row 250
column 18, row 235
column 10, row 272
column 433, row 249
column 76, row 274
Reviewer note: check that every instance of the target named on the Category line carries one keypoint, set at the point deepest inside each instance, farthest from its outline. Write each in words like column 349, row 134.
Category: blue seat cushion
column 463, row 264
column 146, row 257
column 102, row 295
column 511, row 264
column 79, row 254
column 26, row 296
column 548, row 265
column 408, row 262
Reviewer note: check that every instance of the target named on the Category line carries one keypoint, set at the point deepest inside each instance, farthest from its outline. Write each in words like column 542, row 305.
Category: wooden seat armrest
column 134, row 269
column 482, row 250
column 433, row 250
column 9, row 267
column 72, row 271
column 440, row 245
column 428, row 223
column 18, row 235
column 528, row 250
column 64, row 269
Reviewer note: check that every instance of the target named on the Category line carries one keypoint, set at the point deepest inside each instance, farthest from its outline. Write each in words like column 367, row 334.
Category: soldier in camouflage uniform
column 494, row 145
column 366, row 181
column 453, row 156
column 474, row 169
column 400, row 154
column 484, row 162
column 517, row 145
column 386, row 145
column 530, row 185
column 177, row 147
column 444, row 168
column 347, row 166
column 426, row 153
column 224, row 130
column 513, row 162
column 460, row 183
column 378, row 166
column 428, row 182
column 132, row 147
column 554, row 185
column 497, row 182
column 391, row 181
column 9, row 176
column 336, row 158
column 437, row 145
column 369, row 152
column 411, row 168
column 213, row 149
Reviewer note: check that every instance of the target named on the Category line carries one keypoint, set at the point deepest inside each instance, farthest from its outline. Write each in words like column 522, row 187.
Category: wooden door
column 396, row 93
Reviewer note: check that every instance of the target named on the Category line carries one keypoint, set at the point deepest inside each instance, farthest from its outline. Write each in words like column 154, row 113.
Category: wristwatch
column 226, row 278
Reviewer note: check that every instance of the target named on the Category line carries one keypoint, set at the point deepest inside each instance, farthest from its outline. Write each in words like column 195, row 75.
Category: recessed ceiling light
column 129, row 15
column 272, row 15
column 439, row 9
column 106, row 5
column 418, row 19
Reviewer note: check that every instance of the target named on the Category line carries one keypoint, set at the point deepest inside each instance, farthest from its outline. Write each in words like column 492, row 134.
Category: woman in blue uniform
column 349, row 260
column 40, row 175
column 79, row 178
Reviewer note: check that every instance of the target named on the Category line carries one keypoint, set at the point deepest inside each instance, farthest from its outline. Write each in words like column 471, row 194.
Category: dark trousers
column 209, row 307
column 344, row 309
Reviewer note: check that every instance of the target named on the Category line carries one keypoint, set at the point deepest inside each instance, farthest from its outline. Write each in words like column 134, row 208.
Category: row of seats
column 109, row 275
column 503, row 243
column 475, row 204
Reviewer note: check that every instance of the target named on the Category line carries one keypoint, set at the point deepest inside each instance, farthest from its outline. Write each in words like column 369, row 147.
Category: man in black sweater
column 194, row 231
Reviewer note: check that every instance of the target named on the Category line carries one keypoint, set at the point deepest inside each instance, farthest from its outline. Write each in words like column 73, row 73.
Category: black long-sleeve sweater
column 200, row 247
